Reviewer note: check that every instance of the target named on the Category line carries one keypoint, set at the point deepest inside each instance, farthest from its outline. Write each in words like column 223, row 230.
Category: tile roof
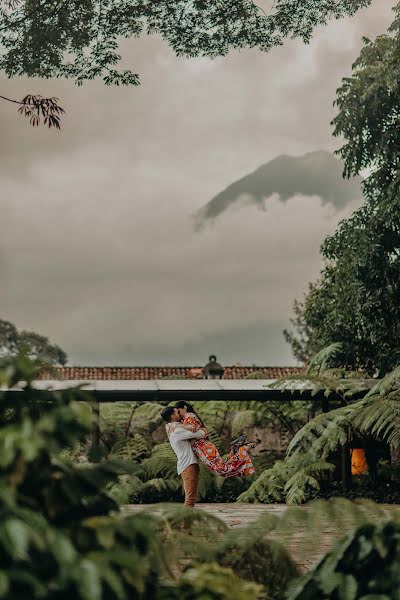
column 132, row 373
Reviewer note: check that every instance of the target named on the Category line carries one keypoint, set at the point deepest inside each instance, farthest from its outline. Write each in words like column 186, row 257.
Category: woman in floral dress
column 238, row 463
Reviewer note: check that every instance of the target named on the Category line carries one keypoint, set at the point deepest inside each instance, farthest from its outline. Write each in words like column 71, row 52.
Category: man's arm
column 181, row 433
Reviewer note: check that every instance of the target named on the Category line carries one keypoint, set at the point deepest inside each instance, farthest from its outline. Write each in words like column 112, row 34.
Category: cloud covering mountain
column 313, row 174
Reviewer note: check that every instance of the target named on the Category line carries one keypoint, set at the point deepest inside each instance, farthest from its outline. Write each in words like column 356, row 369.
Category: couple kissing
column 188, row 437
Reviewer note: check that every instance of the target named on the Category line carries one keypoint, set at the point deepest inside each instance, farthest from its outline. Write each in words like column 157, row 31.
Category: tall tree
column 356, row 300
column 79, row 39
column 36, row 346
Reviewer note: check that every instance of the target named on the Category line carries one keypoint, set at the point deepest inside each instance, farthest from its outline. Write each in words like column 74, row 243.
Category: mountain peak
column 316, row 173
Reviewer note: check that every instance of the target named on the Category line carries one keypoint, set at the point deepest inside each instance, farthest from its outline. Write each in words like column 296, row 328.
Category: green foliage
column 254, row 552
column 134, row 448
column 212, row 582
column 58, row 539
column 301, row 340
column 255, row 558
column 289, row 416
column 35, row 346
column 241, row 420
column 115, row 418
column 255, row 375
column 289, row 480
column 214, row 412
column 375, row 416
column 80, row 39
column 364, row 565
column 355, row 300
column 119, row 420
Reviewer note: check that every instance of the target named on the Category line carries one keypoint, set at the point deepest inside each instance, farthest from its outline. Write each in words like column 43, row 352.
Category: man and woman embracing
column 188, row 437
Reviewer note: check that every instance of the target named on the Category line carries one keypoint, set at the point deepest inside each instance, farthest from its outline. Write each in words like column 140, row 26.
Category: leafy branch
column 36, row 108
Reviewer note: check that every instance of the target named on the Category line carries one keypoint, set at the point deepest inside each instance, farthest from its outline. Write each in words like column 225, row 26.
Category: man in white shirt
column 187, row 463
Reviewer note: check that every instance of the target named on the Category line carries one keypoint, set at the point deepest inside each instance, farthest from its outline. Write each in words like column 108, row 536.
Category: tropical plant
column 364, row 565
column 212, row 582
column 374, row 416
column 256, row 558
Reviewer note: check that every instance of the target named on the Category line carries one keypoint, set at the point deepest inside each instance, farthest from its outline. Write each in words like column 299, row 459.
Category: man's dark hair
column 167, row 413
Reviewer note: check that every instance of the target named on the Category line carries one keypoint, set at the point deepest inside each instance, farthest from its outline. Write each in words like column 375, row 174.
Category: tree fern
column 306, row 476
column 114, row 417
column 325, row 358
column 322, row 434
column 241, row 420
column 288, row 480
column 377, row 416
column 146, row 418
column 213, row 413
column 162, row 462
column 70, row 455
column 131, row 449
column 161, row 484
column 284, row 415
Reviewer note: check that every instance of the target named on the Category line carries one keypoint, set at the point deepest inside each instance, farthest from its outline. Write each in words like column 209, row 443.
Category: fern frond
column 162, row 484
column 269, row 485
column 114, row 416
column 386, row 384
column 70, row 455
column 212, row 412
column 241, row 420
column 322, row 434
column 324, row 358
column 127, row 489
column 305, row 477
column 161, row 463
column 131, row 449
column 379, row 418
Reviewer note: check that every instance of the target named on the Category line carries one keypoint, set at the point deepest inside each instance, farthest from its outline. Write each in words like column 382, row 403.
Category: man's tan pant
column 190, row 480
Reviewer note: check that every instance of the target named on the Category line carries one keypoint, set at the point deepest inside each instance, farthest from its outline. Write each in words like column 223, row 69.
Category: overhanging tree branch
column 36, row 108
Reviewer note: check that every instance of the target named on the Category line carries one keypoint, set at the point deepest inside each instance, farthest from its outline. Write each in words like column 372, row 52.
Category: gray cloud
column 313, row 174
column 97, row 249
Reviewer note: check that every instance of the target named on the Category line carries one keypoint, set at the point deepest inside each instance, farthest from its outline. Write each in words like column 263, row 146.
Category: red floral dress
column 236, row 465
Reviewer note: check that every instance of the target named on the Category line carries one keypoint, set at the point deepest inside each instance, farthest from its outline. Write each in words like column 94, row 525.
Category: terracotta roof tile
column 131, row 373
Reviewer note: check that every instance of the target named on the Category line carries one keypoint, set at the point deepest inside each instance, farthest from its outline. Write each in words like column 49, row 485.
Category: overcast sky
column 98, row 249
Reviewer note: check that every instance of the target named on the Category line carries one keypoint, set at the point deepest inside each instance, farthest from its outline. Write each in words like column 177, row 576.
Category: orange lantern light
column 359, row 465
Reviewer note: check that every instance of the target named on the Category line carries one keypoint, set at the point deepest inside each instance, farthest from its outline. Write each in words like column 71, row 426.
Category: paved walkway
column 241, row 515
column 233, row 515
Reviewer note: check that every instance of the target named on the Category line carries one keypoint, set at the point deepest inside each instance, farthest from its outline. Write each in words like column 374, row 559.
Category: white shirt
column 179, row 439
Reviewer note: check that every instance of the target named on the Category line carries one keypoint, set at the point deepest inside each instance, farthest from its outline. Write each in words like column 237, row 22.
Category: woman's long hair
column 189, row 408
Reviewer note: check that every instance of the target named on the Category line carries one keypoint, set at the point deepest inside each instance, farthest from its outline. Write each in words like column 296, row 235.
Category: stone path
column 233, row 515
column 241, row 515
